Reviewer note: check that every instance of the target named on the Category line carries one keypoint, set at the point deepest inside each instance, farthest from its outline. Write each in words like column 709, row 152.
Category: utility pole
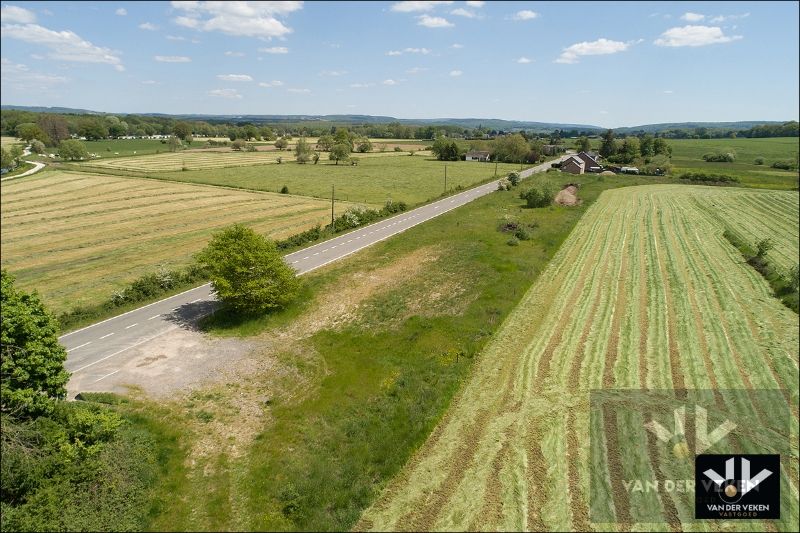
column 445, row 177
column 495, row 168
column 333, row 191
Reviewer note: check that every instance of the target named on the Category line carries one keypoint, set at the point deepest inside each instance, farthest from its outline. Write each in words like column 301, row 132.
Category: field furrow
column 76, row 237
column 645, row 291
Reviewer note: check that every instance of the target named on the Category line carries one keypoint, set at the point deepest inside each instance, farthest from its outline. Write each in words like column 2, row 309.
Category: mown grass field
column 76, row 237
column 687, row 155
column 208, row 160
column 352, row 378
column 5, row 141
column 115, row 148
column 646, row 293
column 374, row 180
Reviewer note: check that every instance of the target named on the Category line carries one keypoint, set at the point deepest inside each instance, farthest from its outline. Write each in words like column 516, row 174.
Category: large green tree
column 32, row 367
column 72, row 150
column 608, row 147
column 510, row 148
column 55, row 127
column 583, row 144
column 247, row 271
column 302, row 151
column 339, row 152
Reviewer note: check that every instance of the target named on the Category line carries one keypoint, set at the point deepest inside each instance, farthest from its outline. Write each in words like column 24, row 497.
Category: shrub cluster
column 708, row 178
column 785, row 165
column 537, row 197
column 727, row 157
column 146, row 287
column 358, row 216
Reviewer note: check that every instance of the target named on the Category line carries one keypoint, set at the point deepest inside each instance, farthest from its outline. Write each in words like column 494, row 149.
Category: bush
column 727, row 157
column 503, row 185
column 708, row 178
column 785, row 165
column 522, row 234
column 537, row 197
column 37, row 146
column 513, row 241
column 758, row 161
column 514, row 178
column 398, row 149
column 284, row 190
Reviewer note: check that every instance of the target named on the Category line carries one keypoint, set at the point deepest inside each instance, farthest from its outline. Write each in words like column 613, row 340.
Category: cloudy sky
column 608, row 64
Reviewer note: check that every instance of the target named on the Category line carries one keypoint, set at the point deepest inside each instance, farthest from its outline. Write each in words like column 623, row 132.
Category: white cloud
column 523, row 60
column 433, row 22
column 692, row 17
column 525, row 14
column 411, row 7
column 456, row 73
column 599, row 47
column 416, row 70
column 234, row 77
column 273, row 83
column 423, row 51
column 456, row 46
column 234, row 54
column 37, row 56
column 299, row 91
column 150, row 82
column 148, row 26
column 22, row 78
column 173, row 59
column 723, row 18
column 389, row 82
column 668, row 91
column 274, row 50
column 475, row 3
column 175, row 38
column 121, row 12
column 64, row 45
column 361, row 85
column 15, row 14
column 461, row 12
column 231, row 94
column 247, row 19
column 333, row 73
column 694, row 36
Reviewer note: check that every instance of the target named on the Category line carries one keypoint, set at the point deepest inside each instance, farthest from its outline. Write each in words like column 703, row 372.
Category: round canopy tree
column 32, row 368
column 247, row 271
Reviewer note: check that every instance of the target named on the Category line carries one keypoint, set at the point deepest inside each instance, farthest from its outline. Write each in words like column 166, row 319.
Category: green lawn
column 127, row 147
column 687, row 155
column 374, row 181
column 353, row 395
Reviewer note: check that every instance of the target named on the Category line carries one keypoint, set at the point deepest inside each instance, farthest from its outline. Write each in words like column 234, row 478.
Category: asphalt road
column 112, row 338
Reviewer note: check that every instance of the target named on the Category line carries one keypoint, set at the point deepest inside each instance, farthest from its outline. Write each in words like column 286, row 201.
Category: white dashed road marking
column 132, row 325
column 154, row 316
column 81, row 346
column 105, row 336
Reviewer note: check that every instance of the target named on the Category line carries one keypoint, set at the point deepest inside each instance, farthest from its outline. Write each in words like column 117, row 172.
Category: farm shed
column 477, row 155
column 573, row 165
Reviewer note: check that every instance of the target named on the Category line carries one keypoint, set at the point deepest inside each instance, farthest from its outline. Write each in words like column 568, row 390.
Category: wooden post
column 445, row 177
column 333, row 191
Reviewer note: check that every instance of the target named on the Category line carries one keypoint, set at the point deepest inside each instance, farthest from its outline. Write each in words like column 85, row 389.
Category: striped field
column 76, row 237
column 645, row 294
column 209, row 160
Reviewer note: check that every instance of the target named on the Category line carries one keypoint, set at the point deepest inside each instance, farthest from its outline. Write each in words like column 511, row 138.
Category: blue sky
column 609, row 64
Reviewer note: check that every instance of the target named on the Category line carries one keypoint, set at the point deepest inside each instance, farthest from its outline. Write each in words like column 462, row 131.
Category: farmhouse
column 477, row 155
column 573, row 165
column 590, row 163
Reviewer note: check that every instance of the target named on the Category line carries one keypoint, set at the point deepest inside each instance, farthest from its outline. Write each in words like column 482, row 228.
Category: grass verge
column 366, row 363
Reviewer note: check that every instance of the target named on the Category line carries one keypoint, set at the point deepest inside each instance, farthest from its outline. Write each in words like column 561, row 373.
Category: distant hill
column 740, row 125
column 490, row 123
